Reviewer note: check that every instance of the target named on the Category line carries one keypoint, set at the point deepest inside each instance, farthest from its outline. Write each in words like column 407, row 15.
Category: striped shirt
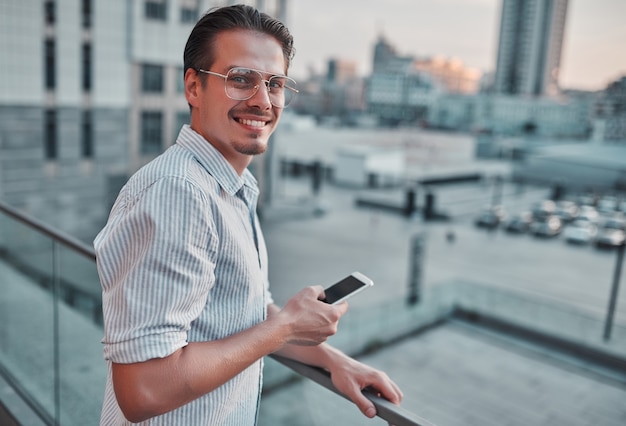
column 182, row 259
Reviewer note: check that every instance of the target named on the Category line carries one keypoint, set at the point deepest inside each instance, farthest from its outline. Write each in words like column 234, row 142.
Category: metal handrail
column 67, row 240
column 387, row 411
column 393, row 414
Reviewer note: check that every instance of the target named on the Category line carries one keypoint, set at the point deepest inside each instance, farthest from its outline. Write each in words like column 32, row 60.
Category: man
column 188, row 316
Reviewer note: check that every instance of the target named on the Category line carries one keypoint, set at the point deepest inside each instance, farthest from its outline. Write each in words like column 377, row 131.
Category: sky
column 593, row 55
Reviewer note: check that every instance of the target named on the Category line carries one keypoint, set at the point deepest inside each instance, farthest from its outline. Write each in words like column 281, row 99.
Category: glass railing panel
column 82, row 370
column 551, row 317
column 50, row 325
column 80, row 285
column 27, row 314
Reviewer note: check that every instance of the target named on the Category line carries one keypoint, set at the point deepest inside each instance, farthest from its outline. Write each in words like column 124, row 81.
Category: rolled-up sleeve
column 156, row 260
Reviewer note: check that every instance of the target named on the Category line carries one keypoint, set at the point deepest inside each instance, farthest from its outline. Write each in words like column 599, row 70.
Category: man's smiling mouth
column 252, row 123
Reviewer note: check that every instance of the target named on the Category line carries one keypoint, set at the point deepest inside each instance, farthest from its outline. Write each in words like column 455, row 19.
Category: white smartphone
column 349, row 286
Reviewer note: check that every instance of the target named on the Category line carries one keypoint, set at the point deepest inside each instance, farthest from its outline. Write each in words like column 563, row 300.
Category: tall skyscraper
column 529, row 48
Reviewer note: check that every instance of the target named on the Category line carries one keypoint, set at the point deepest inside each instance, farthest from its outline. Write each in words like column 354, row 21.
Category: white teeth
column 253, row 123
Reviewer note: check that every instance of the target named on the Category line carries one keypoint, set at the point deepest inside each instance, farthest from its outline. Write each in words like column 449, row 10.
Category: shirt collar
column 215, row 163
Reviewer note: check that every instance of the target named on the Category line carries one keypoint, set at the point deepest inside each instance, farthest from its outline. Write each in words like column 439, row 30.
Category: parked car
column 608, row 204
column 612, row 233
column 610, row 238
column 490, row 217
column 542, row 209
column 549, row 226
column 580, row 232
column 588, row 213
column 519, row 223
column 587, row 200
column 566, row 210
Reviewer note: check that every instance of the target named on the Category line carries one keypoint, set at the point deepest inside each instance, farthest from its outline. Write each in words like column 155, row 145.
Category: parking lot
column 309, row 249
column 583, row 219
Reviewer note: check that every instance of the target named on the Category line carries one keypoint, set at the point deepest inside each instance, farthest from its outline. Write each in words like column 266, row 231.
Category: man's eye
column 240, row 79
column 277, row 83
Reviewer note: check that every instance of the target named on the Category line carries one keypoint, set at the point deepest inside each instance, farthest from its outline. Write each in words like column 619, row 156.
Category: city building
column 529, row 47
column 555, row 118
column 396, row 92
column 90, row 91
column 609, row 113
column 407, row 89
column 577, row 167
column 450, row 73
column 521, row 98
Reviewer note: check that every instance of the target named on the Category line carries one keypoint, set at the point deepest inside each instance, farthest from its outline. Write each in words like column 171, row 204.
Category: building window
column 188, row 16
column 86, row 67
column 87, row 135
column 49, row 61
column 156, row 9
column 151, row 132
column 86, row 13
column 152, row 78
column 49, row 12
column 180, row 80
column 189, row 11
column 50, row 134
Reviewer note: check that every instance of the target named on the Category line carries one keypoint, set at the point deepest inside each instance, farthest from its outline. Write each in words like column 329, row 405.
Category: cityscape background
column 591, row 59
column 468, row 156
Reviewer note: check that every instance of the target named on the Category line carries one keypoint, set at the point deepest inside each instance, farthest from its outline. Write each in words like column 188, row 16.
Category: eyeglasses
column 241, row 84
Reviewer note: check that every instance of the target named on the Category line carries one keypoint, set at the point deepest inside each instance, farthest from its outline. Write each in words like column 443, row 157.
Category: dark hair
column 199, row 52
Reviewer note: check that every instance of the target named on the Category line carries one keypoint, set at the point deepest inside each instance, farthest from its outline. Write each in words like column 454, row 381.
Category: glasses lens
column 282, row 90
column 243, row 83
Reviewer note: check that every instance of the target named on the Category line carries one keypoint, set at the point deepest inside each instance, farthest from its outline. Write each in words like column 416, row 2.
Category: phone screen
column 344, row 288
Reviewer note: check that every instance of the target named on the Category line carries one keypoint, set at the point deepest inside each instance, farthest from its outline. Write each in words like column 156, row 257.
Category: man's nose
column 261, row 98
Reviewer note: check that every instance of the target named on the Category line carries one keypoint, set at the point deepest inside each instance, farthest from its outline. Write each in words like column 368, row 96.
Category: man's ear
column 193, row 85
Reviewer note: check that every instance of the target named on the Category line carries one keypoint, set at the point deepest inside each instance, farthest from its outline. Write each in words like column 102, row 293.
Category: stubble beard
column 254, row 148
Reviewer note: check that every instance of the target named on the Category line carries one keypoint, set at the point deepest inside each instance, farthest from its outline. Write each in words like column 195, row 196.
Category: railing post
column 608, row 325
column 56, row 294
column 416, row 264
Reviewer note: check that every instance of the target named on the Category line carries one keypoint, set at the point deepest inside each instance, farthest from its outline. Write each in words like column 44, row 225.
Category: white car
column 610, row 238
column 589, row 213
column 550, row 226
column 612, row 233
column 608, row 204
column 580, row 232
column 567, row 210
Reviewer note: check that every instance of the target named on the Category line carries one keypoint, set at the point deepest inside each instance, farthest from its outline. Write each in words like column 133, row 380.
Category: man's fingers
column 365, row 405
column 391, row 392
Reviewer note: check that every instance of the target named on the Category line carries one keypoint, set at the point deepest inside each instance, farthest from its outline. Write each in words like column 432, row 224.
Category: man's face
column 238, row 129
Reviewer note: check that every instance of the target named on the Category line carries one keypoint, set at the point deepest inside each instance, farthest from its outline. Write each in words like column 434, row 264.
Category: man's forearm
column 323, row 355
column 154, row 387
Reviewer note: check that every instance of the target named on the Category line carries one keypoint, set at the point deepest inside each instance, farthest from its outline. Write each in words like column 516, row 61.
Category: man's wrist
column 278, row 331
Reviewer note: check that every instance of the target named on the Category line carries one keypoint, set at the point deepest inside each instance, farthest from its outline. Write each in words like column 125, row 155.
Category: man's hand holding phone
column 313, row 314
column 310, row 321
